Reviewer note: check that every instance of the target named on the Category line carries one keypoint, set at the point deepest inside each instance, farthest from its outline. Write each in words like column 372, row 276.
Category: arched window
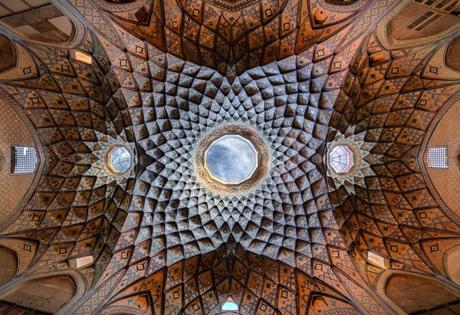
column 229, row 305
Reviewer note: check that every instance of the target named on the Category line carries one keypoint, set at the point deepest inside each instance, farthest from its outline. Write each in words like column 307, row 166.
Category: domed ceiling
column 268, row 154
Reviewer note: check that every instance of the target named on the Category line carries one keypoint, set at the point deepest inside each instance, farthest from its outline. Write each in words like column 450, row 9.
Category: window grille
column 437, row 157
column 423, row 21
column 23, row 159
column 442, row 5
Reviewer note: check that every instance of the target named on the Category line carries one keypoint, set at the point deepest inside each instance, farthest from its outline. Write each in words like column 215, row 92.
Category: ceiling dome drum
column 232, row 159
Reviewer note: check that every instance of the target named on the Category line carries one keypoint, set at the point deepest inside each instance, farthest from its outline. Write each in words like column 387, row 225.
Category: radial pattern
column 187, row 217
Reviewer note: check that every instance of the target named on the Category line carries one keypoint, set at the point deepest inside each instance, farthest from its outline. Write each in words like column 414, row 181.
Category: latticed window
column 442, row 5
column 120, row 160
column 23, row 159
column 437, row 157
column 423, row 21
column 341, row 159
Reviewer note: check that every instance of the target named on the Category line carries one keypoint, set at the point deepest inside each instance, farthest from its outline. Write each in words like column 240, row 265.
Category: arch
column 7, row 54
column 47, row 294
column 15, row 190
column 24, row 249
column 453, row 54
column 442, row 183
column 408, row 292
column 451, row 265
column 72, row 278
column 262, row 286
column 54, row 23
column 414, row 294
column 388, row 41
column 8, row 263
column 323, row 304
column 408, row 23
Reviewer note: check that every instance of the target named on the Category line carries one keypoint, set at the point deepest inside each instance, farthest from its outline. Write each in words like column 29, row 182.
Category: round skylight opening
column 119, row 159
column 341, row 159
column 231, row 159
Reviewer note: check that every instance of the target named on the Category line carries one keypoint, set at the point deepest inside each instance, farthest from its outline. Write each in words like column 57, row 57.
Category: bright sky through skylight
column 230, row 306
column 231, row 159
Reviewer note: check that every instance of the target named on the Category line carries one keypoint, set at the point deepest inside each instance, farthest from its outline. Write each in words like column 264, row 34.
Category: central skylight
column 119, row 160
column 341, row 159
column 231, row 159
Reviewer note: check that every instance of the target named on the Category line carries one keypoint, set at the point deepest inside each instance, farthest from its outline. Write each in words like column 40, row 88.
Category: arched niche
column 443, row 182
column 47, row 294
column 410, row 293
column 47, row 21
column 15, row 130
column 451, row 264
column 416, row 21
column 453, row 54
column 7, row 54
column 8, row 263
column 397, row 29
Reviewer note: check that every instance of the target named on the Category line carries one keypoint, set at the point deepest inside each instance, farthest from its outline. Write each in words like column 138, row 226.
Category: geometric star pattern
column 185, row 217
